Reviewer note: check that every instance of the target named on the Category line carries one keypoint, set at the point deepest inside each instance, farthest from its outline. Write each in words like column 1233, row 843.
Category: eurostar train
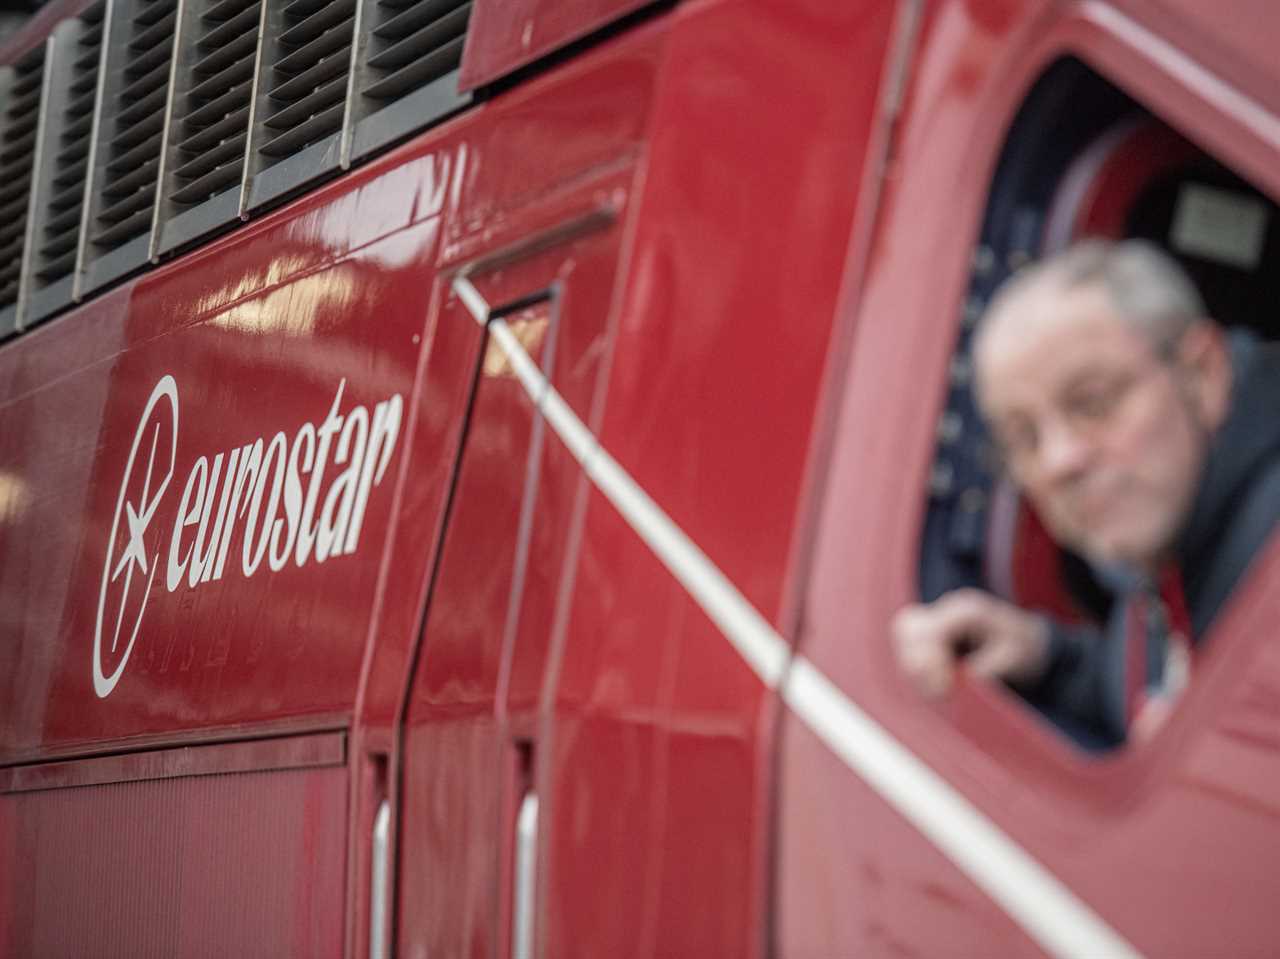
column 459, row 462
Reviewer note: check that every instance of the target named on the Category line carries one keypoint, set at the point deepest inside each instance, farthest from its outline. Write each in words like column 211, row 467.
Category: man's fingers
column 991, row 660
column 1016, row 649
column 1000, row 641
column 924, row 654
column 965, row 614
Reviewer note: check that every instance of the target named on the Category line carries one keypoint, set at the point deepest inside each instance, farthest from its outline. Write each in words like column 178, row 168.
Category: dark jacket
column 1236, row 505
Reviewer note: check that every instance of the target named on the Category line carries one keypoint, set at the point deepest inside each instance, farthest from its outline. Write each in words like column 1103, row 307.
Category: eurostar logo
column 157, row 423
column 284, row 502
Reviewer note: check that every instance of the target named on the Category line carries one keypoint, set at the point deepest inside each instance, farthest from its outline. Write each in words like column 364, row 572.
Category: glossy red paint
column 656, row 714
column 507, row 36
column 221, row 849
column 713, row 227
column 1132, row 836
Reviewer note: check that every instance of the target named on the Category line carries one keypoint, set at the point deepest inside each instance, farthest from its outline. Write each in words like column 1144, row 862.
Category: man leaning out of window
column 1148, row 441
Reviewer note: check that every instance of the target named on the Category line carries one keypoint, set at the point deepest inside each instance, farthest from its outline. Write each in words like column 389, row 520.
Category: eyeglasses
column 1088, row 409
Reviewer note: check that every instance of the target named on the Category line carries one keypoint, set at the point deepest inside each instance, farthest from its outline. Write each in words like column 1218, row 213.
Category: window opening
column 1081, row 159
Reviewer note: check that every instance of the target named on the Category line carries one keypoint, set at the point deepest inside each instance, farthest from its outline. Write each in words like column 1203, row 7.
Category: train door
column 525, row 293
column 474, row 722
column 978, row 824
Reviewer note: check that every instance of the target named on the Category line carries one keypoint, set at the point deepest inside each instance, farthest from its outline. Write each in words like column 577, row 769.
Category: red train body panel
column 308, row 609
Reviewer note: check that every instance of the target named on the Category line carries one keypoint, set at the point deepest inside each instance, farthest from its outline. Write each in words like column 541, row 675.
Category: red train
column 458, row 466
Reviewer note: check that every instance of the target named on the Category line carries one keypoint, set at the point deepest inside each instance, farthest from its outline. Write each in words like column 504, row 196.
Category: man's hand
column 992, row 638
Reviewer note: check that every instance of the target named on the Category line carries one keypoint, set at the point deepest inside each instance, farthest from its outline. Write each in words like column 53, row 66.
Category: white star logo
column 137, row 519
column 135, row 553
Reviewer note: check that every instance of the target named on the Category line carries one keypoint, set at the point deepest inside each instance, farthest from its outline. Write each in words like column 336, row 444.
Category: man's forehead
column 1044, row 305
column 1047, row 333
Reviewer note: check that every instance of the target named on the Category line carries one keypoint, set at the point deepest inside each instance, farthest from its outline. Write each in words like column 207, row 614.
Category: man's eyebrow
column 1087, row 378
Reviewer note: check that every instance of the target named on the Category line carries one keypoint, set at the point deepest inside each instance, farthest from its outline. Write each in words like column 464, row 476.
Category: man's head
column 1104, row 382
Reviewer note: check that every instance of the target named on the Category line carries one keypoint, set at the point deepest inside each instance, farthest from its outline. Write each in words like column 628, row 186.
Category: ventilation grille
column 132, row 154
column 60, row 237
column 412, row 43
column 211, row 129
column 307, row 83
column 18, row 119
column 249, row 101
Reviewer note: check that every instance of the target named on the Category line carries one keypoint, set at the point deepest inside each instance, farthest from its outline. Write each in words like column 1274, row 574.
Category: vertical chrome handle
column 526, row 876
column 379, row 882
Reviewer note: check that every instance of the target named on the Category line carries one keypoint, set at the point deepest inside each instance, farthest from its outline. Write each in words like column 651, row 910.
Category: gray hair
column 1146, row 285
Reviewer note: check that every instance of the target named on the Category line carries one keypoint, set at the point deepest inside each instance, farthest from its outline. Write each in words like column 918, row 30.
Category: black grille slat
column 301, row 9
column 307, row 67
column 21, row 147
column 17, row 207
column 123, row 210
column 318, row 126
column 65, row 220
column 215, row 133
column 72, row 176
column 149, row 11
column 134, row 126
column 413, row 43
column 226, row 9
column 219, row 107
column 59, row 239
column 207, row 160
column 215, row 180
column 18, row 119
column 25, row 103
column 127, row 229
column 143, row 108
column 155, row 35
column 238, row 50
column 328, row 43
column 12, row 188
column 135, row 178
column 56, row 250
column 211, row 121
column 304, row 83
column 240, row 72
column 423, row 41
column 238, row 27
column 412, row 16
column 82, row 126
column 141, row 85
column 55, row 269
column 329, row 16
column 297, row 112
column 127, row 162
column 70, row 187
column 90, row 60
column 59, row 236
column 419, row 72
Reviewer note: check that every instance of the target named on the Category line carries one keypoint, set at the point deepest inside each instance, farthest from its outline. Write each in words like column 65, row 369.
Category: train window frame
column 865, row 505
column 962, row 471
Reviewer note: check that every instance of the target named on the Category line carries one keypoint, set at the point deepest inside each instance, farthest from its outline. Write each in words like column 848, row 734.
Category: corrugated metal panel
column 57, row 214
column 406, row 72
column 242, row 864
column 18, row 120
column 301, row 99
column 209, row 124
column 126, row 159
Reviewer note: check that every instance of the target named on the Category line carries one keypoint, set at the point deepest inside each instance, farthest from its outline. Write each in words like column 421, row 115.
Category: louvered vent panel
column 18, row 120
column 413, row 43
column 213, row 125
column 60, row 235
column 132, row 151
column 307, row 82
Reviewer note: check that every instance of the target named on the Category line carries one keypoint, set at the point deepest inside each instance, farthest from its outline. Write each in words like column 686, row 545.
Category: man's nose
column 1064, row 450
